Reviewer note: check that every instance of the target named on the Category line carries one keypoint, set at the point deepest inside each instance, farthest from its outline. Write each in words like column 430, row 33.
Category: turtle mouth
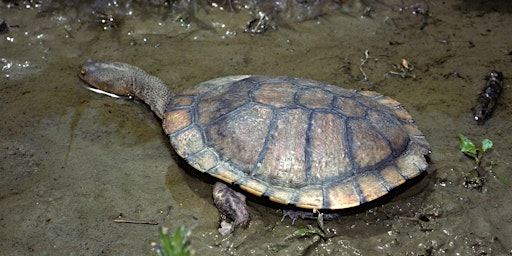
column 86, row 84
column 96, row 90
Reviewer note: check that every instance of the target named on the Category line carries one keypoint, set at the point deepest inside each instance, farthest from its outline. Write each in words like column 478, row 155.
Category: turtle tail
column 129, row 81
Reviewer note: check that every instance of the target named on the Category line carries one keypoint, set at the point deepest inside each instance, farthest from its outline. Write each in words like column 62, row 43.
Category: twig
column 363, row 61
column 136, row 222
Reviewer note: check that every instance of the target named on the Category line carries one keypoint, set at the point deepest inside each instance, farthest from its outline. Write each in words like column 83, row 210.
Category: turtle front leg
column 232, row 205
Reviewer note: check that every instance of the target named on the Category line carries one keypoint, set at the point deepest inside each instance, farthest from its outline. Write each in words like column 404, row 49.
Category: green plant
column 307, row 232
column 468, row 148
column 178, row 245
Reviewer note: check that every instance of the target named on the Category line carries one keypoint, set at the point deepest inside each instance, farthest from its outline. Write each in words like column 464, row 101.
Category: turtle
column 294, row 141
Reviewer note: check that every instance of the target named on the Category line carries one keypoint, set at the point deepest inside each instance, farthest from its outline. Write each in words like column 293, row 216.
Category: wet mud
column 72, row 161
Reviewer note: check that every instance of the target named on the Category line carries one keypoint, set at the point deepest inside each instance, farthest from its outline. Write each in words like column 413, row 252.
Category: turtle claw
column 294, row 215
column 308, row 215
column 226, row 228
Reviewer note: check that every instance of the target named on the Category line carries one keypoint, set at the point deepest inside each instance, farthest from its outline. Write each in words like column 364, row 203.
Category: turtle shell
column 297, row 141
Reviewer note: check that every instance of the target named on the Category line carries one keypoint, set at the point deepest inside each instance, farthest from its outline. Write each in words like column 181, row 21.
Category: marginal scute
column 422, row 141
column 280, row 195
column 253, row 186
column 412, row 129
column 176, row 120
column 224, row 172
column 392, row 177
column 370, row 94
column 187, row 142
column 342, row 195
column 182, row 101
column 371, row 187
column 412, row 163
column 388, row 101
column 205, row 159
column 401, row 113
column 196, row 90
column 311, row 198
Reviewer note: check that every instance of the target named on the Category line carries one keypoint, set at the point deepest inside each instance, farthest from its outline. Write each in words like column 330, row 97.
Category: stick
column 363, row 61
column 136, row 222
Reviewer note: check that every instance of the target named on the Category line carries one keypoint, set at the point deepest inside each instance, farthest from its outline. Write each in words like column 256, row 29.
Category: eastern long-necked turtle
column 296, row 141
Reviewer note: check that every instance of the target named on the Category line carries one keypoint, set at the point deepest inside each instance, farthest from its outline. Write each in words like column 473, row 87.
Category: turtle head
column 110, row 78
column 121, row 80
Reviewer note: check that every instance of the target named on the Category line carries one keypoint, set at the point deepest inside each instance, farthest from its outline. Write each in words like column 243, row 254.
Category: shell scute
column 314, row 98
column 230, row 136
column 368, row 146
column 390, row 128
column 275, row 94
column 327, row 161
column 283, row 157
column 349, row 107
column 217, row 102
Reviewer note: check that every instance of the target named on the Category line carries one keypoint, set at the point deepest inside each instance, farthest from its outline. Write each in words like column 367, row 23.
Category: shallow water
column 72, row 161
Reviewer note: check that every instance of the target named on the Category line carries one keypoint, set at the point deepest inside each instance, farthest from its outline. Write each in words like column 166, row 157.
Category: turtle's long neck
column 127, row 80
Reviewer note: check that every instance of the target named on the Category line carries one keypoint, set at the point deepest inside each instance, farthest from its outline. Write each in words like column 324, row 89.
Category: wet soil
column 72, row 161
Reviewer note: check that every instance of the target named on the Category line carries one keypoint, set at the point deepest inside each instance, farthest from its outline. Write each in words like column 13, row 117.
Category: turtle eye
column 83, row 71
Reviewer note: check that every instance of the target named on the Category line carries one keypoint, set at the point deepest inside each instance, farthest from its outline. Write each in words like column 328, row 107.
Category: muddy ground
column 72, row 161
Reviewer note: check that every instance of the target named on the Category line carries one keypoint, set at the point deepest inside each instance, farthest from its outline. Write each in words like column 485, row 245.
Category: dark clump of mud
column 72, row 161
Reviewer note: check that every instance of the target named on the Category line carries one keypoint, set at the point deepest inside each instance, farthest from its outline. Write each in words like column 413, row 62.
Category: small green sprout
column 468, row 148
column 178, row 245
column 504, row 180
column 302, row 232
column 69, row 31
column 183, row 19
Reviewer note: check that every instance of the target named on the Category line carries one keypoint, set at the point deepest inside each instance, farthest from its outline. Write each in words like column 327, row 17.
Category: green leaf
column 505, row 180
column 165, row 242
column 467, row 146
column 486, row 144
column 304, row 232
column 177, row 245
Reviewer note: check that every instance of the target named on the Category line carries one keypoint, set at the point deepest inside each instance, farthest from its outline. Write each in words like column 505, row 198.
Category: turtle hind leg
column 232, row 205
